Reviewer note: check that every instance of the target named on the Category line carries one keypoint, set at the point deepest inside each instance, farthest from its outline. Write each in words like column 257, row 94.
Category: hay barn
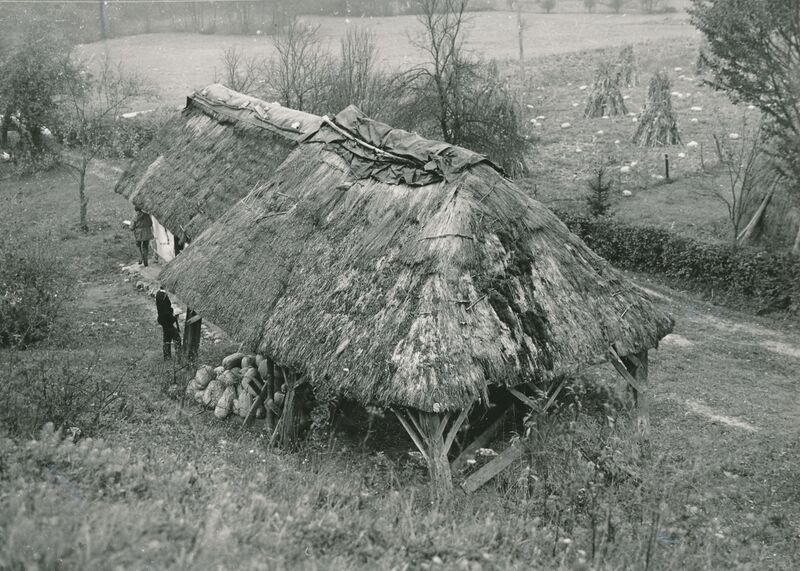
column 382, row 267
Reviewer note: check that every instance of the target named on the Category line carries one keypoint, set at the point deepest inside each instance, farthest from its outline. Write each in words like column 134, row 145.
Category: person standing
column 168, row 322
column 142, row 232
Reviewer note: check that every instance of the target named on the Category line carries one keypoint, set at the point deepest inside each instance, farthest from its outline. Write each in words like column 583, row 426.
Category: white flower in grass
column 696, row 108
column 616, row 142
column 657, row 176
column 541, row 118
column 582, row 87
column 681, row 155
column 733, row 136
column 627, row 193
column 625, row 170
column 751, row 107
column 600, row 132
column 634, row 163
column 437, row 408
column 692, row 144
column 694, row 119
column 574, row 104
column 678, row 69
column 626, row 96
column 565, row 125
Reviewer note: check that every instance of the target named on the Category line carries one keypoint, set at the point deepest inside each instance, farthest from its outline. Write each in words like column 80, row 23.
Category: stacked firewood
column 244, row 385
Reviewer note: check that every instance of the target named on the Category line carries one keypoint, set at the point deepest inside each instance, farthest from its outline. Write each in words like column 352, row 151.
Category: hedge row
column 761, row 281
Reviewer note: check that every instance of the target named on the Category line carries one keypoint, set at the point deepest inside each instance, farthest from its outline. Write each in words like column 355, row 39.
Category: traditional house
column 206, row 159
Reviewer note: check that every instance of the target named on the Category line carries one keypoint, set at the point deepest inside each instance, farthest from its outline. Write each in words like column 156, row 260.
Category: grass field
column 177, row 64
column 562, row 51
column 161, row 485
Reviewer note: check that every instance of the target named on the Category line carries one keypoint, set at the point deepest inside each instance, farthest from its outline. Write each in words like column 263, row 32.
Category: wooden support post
column 633, row 368
column 269, row 383
column 191, row 336
column 430, row 433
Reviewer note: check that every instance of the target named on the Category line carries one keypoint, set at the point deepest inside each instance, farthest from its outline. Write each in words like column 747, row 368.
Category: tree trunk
column 83, row 201
column 749, row 231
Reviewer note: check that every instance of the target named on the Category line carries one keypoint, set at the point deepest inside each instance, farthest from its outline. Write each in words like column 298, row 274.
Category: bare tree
column 753, row 53
column 242, row 72
column 299, row 75
column 88, row 111
column 468, row 101
column 357, row 80
column 750, row 177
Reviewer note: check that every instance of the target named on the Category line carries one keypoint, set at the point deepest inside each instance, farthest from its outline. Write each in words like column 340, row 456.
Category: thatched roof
column 418, row 296
column 204, row 160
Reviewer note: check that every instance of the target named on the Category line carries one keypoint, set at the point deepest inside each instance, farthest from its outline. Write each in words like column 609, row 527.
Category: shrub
column 597, row 199
column 548, row 5
column 738, row 276
column 33, row 286
column 122, row 138
column 47, row 387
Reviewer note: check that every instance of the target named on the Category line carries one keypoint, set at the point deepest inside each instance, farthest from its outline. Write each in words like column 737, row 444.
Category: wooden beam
column 257, row 403
column 493, row 468
column 623, row 371
column 640, row 397
column 480, row 442
column 525, row 399
column 454, row 428
column 412, row 433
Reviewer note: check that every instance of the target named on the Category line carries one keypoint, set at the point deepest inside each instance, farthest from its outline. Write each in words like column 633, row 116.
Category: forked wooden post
column 191, row 336
column 433, row 439
column 633, row 369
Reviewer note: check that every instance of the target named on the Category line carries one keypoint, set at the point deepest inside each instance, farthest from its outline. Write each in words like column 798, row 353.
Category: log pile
column 606, row 96
column 657, row 123
column 254, row 387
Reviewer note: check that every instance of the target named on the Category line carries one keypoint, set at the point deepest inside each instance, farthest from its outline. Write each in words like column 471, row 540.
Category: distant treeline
column 90, row 21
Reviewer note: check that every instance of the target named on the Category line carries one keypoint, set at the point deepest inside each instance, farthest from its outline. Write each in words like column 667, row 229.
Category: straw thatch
column 395, row 294
column 203, row 161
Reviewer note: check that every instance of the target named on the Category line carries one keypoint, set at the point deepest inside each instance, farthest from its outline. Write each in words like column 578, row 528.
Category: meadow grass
column 160, row 484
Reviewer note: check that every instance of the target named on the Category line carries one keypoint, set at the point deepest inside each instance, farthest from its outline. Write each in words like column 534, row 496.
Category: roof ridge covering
column 391, row 155
column 225, row 103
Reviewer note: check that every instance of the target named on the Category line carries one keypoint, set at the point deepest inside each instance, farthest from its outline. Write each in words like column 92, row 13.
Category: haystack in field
column 606, row 97
column 410, row 274
column 657, row 123
column 204, row 160
column 627, row 68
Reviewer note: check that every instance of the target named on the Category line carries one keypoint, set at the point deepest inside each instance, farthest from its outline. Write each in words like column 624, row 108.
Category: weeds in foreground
column 46, row 387
column 34, row 284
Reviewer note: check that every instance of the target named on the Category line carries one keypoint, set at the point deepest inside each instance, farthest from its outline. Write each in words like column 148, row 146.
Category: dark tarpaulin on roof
column 391, row 155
